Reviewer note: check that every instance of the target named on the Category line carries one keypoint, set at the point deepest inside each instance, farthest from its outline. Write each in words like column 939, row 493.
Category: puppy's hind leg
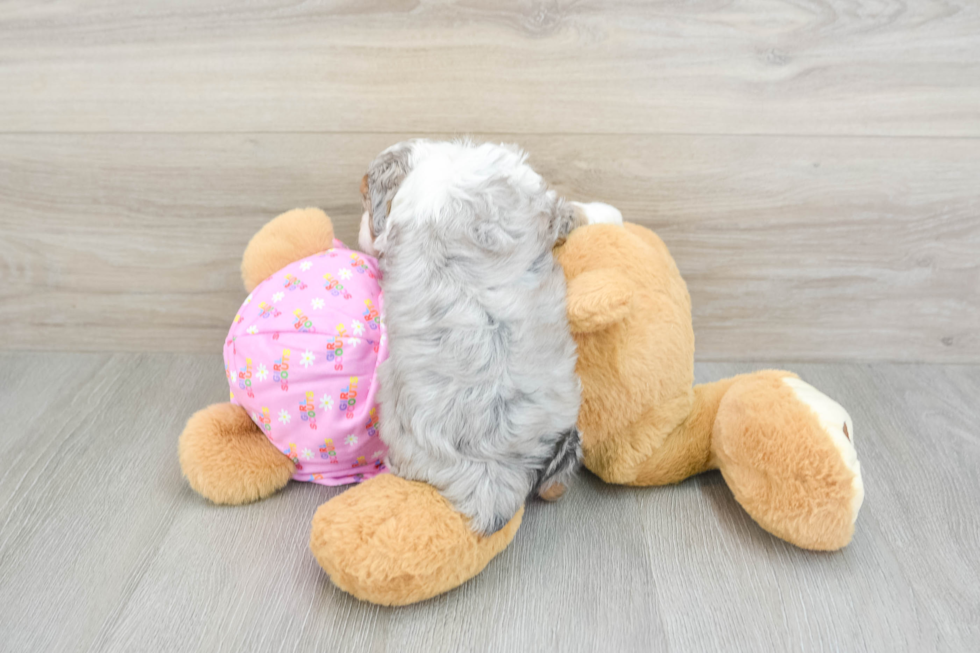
column 556, row 476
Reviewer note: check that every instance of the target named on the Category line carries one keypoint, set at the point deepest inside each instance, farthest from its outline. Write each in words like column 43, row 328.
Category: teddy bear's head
column 630, row 314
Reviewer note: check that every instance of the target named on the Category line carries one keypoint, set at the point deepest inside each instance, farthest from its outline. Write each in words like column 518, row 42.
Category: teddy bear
column 784, row 448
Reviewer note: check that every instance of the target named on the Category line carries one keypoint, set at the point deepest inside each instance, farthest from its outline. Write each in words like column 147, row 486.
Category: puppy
column 479, row 396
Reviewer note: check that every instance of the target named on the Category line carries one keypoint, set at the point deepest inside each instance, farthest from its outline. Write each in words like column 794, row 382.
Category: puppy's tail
column 555, row 477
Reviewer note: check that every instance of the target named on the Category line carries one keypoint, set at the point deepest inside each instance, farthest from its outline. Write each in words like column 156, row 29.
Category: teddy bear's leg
column 394, row 542
column 228, row 459
column 288, row 237
column 787, row 452
column 685, row 449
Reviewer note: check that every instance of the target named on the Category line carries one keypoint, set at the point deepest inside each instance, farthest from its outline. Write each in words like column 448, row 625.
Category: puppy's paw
column 598, row 213
column 553, row 492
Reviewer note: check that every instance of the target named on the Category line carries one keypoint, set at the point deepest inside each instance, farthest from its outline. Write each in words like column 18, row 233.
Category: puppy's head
column 475, row 195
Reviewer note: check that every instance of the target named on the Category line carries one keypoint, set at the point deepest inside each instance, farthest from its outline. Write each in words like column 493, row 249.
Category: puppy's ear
column 567, row 216
column 596, row 300
column 383, row 179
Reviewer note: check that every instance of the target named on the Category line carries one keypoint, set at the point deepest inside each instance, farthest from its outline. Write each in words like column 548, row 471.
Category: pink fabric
column 301, row 358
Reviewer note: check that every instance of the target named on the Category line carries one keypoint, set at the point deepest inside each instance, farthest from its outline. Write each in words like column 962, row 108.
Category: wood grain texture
column 886, row 67
column 103, row 547
column 794, row 248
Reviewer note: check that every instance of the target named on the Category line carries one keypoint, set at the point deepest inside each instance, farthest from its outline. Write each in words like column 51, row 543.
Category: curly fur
column 479, row 394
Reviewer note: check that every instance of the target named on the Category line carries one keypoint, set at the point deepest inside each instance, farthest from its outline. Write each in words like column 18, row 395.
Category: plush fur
column 228, row 459
column 782, row 466
column 479, row 395
column 631, row 315
column 784, row 448
column 289, row 237
column 406, row 543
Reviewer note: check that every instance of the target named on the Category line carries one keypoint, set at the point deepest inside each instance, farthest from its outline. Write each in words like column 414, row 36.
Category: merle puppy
column 479, row 396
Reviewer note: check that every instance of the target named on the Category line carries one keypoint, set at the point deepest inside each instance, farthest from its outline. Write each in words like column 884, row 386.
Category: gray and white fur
column 479, row 395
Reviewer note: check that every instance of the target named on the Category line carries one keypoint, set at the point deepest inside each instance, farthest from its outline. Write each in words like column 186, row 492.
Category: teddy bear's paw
column 228, row 459
column 837, row 424
column 394, row 542
column 781, row 446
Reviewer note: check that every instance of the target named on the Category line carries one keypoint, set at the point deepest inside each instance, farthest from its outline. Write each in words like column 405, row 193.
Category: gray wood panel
column 905, row 67
column 104, row 547
column 793, row 248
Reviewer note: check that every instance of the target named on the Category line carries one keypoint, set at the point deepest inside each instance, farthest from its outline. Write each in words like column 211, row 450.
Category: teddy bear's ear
column 596, row 300
column 288, row 237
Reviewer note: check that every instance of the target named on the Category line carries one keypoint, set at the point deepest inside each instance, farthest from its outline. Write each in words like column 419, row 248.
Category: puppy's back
column 479, row 393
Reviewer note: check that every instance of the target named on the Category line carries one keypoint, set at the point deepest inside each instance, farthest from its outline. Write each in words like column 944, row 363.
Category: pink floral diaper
column 302, row 357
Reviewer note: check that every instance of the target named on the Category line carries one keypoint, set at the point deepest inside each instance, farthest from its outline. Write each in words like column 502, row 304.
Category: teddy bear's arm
column 596, row 300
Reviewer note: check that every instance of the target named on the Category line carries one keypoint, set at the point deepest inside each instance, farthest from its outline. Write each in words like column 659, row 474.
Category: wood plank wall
column 814, row 165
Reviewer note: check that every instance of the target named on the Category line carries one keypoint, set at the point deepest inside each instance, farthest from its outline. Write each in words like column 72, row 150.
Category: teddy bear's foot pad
column 394, row 542
column 785, row 451
column 837, row 424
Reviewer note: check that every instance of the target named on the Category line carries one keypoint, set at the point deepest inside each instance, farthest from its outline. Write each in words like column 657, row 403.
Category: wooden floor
column 103, row 546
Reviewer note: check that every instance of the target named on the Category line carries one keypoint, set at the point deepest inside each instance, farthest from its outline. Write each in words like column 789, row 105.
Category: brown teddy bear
column 784, row 448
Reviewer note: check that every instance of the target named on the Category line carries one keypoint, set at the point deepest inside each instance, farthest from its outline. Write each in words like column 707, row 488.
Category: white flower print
column 307, row 359
column 317, row 303
column 378, row 454
column 345, row 274
column 357, row 327
column 326, row 402
column 252, row 329
column 305, row 265
column 307, row 454
column 262, row 373
column 351, row 439
column 248, row 300
column 353, row 342
column 277, row 297
column 284, row 416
